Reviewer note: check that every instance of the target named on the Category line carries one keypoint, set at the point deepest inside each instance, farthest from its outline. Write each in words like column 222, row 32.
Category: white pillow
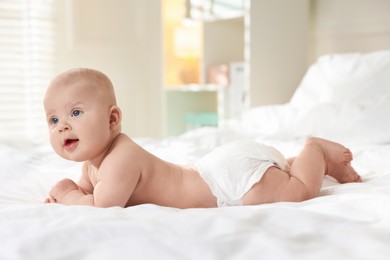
column 342, row 97
column 373, row 124
column 345, row 121
column 267, row 120
column 337, row 78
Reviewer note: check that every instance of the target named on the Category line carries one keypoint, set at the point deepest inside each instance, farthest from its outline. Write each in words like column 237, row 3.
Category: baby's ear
column 115, row 118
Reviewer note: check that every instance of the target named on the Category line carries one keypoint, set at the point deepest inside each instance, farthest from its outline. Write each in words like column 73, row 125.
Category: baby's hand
column 60, row 190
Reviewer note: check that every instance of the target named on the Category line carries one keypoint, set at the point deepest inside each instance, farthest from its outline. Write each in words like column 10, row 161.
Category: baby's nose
column 64, row 127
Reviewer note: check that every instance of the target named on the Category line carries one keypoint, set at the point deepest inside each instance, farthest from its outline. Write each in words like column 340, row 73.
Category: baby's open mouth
column 70, row 142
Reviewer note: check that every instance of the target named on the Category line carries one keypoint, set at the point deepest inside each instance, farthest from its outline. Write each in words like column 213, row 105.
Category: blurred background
column 175, row 64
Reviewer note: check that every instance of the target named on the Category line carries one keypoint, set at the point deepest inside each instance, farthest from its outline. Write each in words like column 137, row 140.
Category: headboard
column 349, row 26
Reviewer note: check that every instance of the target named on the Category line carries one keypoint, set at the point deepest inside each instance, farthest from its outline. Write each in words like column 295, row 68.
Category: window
column 214, row 9
column 26, row 60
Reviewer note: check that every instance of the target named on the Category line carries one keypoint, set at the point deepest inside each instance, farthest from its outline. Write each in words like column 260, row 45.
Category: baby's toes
column 347, row 157
column 351, row 176
column 358, row 178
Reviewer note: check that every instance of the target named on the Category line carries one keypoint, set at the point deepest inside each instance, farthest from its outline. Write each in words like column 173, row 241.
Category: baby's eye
column 54, row 121
column 76, row 113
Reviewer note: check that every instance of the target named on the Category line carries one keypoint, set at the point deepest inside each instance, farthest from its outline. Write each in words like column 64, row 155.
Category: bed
column 344, row 97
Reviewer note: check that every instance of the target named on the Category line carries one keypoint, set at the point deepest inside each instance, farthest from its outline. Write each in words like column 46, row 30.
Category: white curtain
column 27, row 34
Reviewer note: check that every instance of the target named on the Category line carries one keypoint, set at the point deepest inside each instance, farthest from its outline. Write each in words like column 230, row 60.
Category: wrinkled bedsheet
column 349, row 221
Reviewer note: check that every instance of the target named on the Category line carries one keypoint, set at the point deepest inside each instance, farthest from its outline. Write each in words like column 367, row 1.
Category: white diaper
column 232, row 169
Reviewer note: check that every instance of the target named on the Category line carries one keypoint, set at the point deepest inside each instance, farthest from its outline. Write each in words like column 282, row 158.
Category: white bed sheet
column 349, row 221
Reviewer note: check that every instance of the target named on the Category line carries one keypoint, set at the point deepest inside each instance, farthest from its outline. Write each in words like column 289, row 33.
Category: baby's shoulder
column 124, row 153
column 124, row 145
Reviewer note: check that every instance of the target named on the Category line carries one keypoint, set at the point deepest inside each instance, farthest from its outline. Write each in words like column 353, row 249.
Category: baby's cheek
column 55, row 144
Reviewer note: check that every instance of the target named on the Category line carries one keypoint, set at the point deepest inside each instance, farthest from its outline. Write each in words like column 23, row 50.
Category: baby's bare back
column 167, row 184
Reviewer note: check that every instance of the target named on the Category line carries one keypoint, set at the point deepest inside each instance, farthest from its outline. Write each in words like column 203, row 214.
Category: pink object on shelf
column 218, row 74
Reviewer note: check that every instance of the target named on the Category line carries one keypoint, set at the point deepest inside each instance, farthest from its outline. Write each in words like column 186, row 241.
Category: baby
column 84, row 124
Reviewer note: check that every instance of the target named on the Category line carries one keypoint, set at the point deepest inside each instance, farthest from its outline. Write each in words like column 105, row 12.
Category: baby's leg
column 317, row 158
column 338, row 171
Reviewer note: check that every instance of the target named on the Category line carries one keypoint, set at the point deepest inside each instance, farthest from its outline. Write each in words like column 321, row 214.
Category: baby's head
column 86, row 80
column 82, row 114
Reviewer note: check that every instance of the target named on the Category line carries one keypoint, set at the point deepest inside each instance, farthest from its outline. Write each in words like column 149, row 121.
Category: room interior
column 274, row 72
column 283, row 39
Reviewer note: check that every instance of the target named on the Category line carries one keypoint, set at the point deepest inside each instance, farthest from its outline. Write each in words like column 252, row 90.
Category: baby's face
column 78, row 117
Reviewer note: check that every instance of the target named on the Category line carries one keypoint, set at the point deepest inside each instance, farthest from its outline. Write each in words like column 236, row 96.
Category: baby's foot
column 338, row 161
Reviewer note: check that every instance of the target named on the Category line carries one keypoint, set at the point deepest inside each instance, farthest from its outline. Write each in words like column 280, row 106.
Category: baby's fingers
column 50, row 200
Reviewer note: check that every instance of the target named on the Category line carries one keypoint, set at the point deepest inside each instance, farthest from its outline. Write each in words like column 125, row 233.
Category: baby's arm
column 67, row 191
column 119, row 178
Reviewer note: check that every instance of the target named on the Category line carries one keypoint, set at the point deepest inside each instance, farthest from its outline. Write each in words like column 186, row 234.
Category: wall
column 123, row 39
column 279, row 38
column 288, row 36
